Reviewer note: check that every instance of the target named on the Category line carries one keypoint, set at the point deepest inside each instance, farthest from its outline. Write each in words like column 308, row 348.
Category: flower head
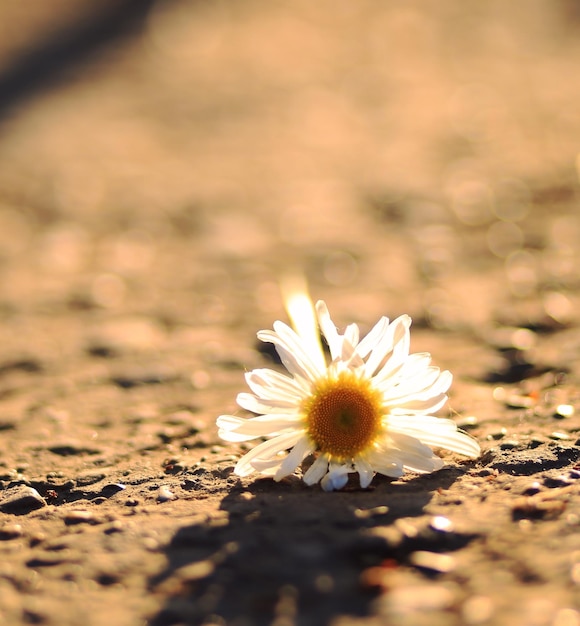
column 370, row 409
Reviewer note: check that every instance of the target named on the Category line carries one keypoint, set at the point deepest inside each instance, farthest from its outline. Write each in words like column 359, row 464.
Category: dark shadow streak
column 287, row 547
column 73, row 43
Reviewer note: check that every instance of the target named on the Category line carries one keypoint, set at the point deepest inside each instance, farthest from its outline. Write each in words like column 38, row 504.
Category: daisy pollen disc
column 343, row 416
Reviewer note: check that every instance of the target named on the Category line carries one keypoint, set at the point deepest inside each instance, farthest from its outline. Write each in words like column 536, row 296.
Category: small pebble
column 441, row 524
column 89, row 479
column 432, row 561
column 498, row 434
column 535, row 441
column 366, row 513
column 10, row 531
column 188, row 483
column 557, row 481
column 151, row 544
column 516, row 401
column 21, row 499
column 559, row 436
column 112, row 488
column 79, row 517
column 165, row 494
column 467, row 421
column 532, row 489
column 563, row 411
column 509, row 444
column 115, row 526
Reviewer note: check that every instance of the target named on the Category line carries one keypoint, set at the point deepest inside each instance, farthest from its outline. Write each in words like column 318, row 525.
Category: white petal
column 373, row 337
column 406, row 443
column 382, row 348
column 418, row 407
column 266, row 450
column 249, row 402
column 328, row 329
column 311, row 356
column 424, row 423
column 444, row 382
column 422, row 464
column 294, row 458
column 413, row 384
column 435, row 431
column 336, row 478
column 267, row 468
column 387, row 463
column 459, row 442
column 401, row 340
column 316, row 471
column 352, row 334
column 234, row 428
column 293, row 352
column 419, row 388
column 415, row 363
column 414, row 454
column 268, row 384
column 392, row 470
column 365, row 471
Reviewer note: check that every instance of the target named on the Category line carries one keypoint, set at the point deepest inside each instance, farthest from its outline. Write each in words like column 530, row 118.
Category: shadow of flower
column 286, row 552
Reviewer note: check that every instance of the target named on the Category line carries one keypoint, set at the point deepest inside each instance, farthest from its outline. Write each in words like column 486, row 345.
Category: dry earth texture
column 162, row 164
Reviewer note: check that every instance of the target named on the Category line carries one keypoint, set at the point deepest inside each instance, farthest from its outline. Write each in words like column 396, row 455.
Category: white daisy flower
column 369, row 410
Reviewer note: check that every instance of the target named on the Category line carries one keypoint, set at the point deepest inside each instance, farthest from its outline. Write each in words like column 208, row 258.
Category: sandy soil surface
column 162, row 165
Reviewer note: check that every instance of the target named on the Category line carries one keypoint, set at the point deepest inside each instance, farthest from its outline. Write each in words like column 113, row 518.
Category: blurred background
column 172, row 158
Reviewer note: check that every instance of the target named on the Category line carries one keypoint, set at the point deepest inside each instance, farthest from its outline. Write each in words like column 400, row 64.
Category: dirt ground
column 162, row 165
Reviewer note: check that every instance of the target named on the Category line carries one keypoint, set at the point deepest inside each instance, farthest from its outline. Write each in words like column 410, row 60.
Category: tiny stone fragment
column 432, row 561
column 557, row 481
column 563, row 411
column 509, row 444
column 559, row 436
column 112, row 488
column 21, row 499
column 368, row 513
column 115, row 526
column 467, row 421
column 441, row 524
column 10, row 531
column 165, row 494
column 536, row 441
column 534, row 507
column 517, row 401
column 89, row 479
column 79, row 517
column 498, row 434
column 532, row 489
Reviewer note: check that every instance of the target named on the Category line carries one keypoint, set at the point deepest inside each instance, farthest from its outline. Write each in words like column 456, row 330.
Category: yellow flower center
column 343, row 415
